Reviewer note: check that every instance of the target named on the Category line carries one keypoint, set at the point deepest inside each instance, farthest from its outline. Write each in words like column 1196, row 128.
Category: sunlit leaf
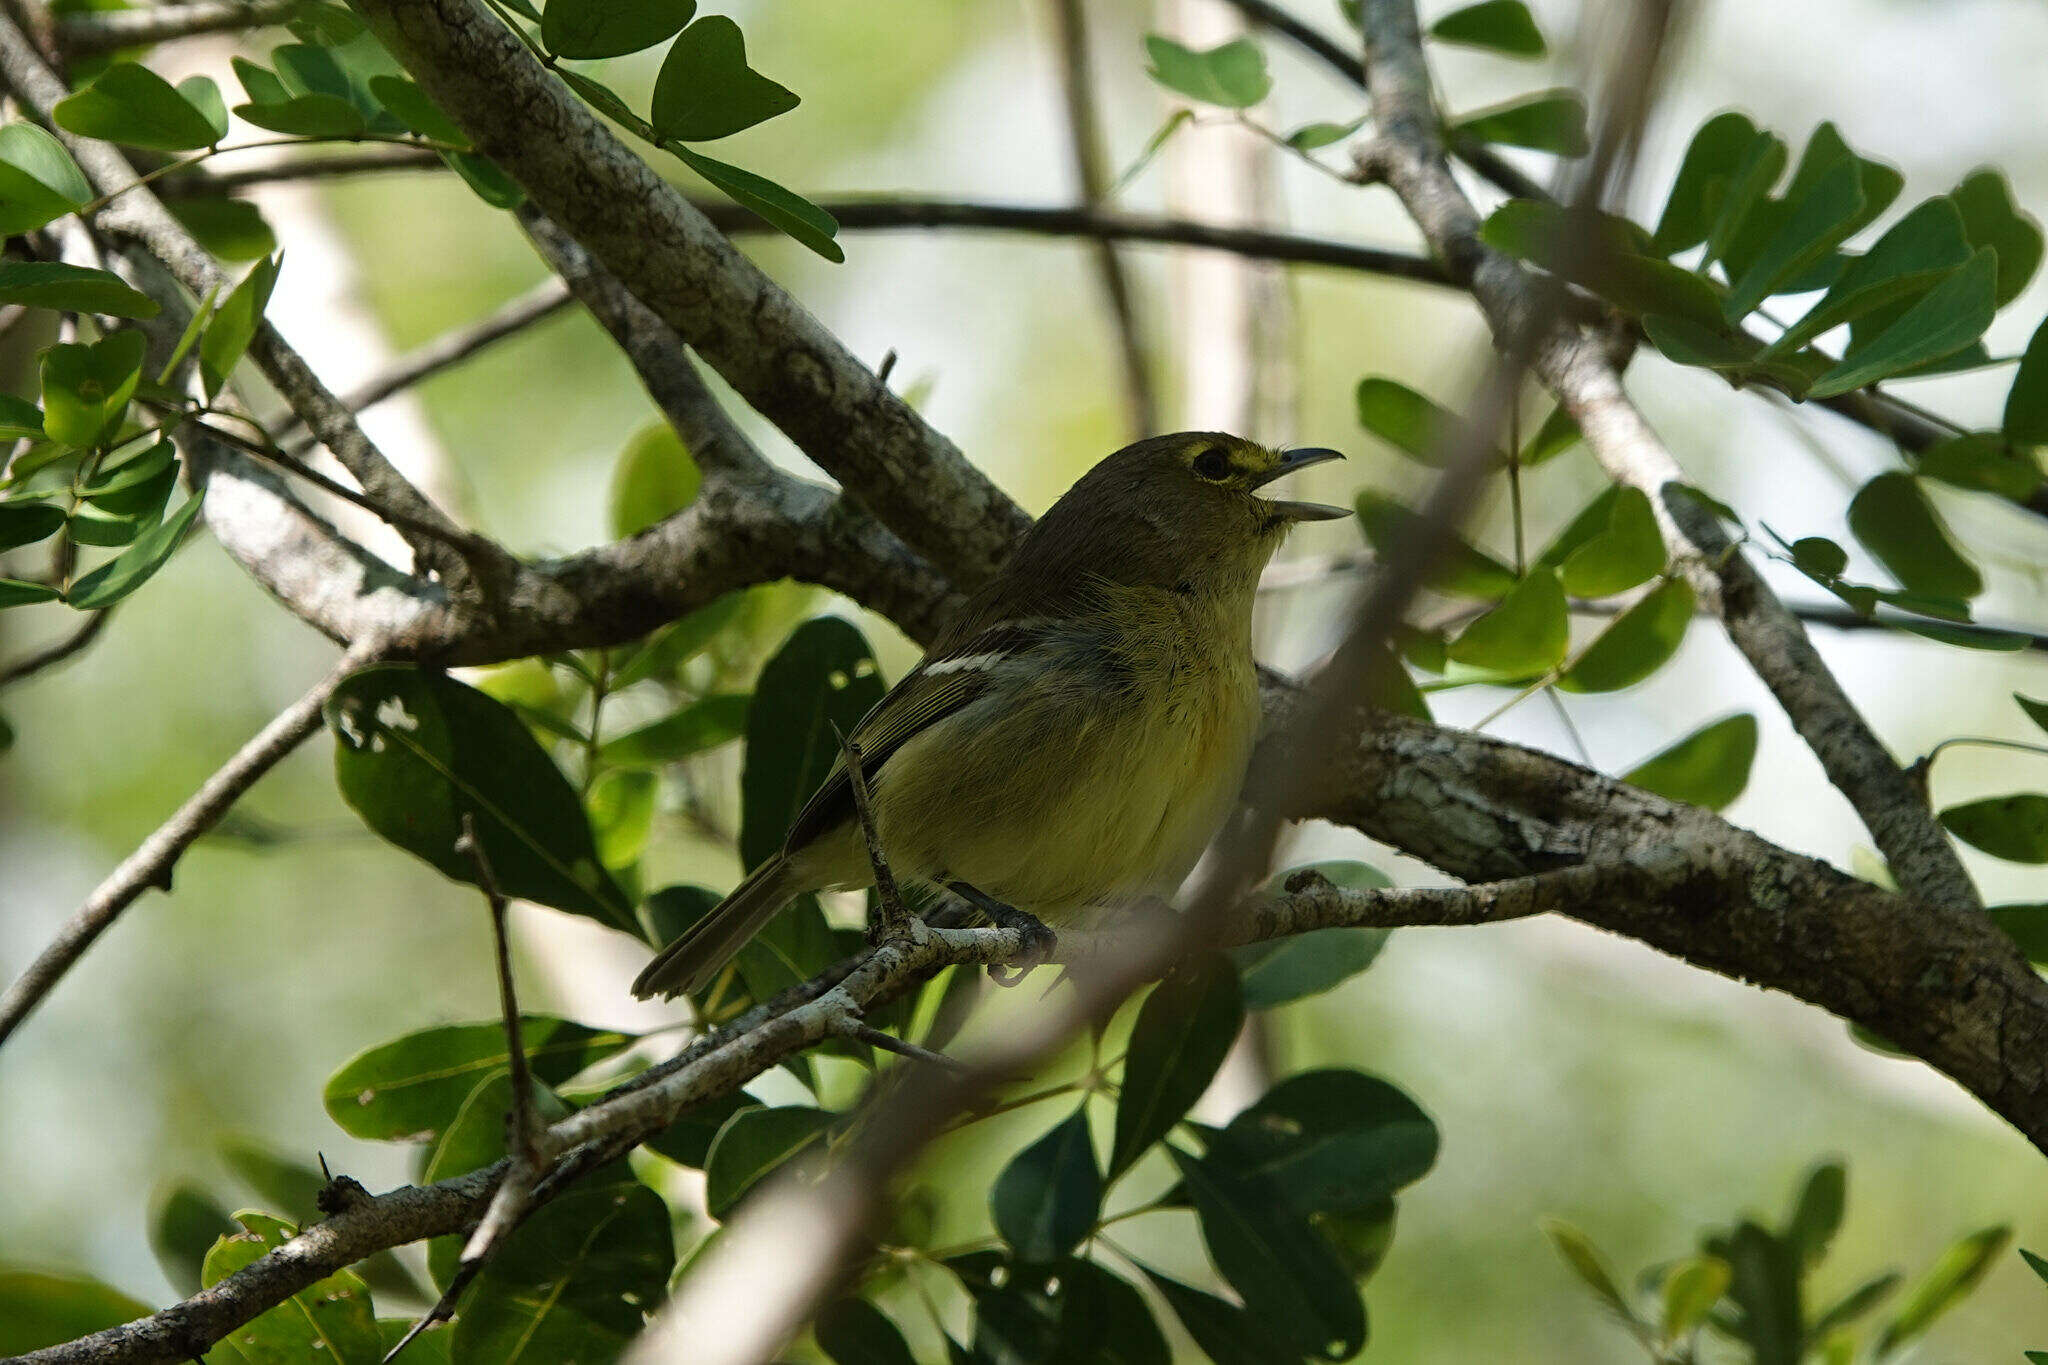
column 1232, row 75
column 1709, row 767
column 132, row 104
column 1503, row 26
column 1627, row 554
column 654, row 478
column 1947, row 1283
column 1524, row 636
column 1637, row 643
column 134, row 566
column 235, row 324
column 1391, row 528
column 1411, row 423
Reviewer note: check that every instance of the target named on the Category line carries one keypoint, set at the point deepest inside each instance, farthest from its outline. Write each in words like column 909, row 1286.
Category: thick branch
column 1409, row 155
column 97, row 31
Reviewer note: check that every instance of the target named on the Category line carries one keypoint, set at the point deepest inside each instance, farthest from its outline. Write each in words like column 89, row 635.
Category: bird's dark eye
column 1212, row 464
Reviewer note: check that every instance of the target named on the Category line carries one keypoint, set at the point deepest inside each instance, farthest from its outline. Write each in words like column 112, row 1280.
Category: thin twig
column 151, row 863
column 49, row 656
column 96, row 31
column 891, row 913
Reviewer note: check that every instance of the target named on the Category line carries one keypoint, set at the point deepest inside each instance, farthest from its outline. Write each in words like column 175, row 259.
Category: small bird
column 1080, row 728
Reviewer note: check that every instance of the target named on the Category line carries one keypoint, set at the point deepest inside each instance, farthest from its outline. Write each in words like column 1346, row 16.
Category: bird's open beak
column 1301, row 458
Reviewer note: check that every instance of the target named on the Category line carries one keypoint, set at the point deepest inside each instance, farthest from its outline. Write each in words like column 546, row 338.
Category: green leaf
column 38, row 1309
column 1947, row 318
column 1226, row 1333
column 1049, row 1196
column 1391, row 528
column 86, row 388
column 1628, row 553
column 1745, row 194
column 707, row 91
column 35, row 151
column 134, row 566
column 1073, row 1311
column 2026, row 403
column 2037, row 711
column 475, row 1136
column 573, row 1282
column 1992, row 219
column 1909, row 258
column 654, row 479
column 1636, row 644
column 232, row 229
column 1411, row 423
column 2011, row 827
column 1558, row 433
column 486, row 179
column 1817, row 1212
column 1709, row 767
column 1713, row 158
column 143, row 467
column 1232, row 75
column 703, row 724
column 1524, row 636
column 816, row 688
column 1175, row 121
column 1605, row 254
column 1586, row 1262
column 26, row 203
column 606, row 101
column 184, row 1223
column 1817, row 222
column 417, row 752
column 855, row 1332
column 1502, row 26
column 329, row 1320
column 1893, row 519
column 16, row 593
column 688, row 1140
column 1982, row 463
column 235, row 323
column 1853, row 1305
column 202, row 94
column 133, row 105
column 753, row 1143
column 621, row 806
column 317, row 115
column 20, row 420
column 415, row 1084
column 415, row 108
column 1739, row 359
column 780, row 208
column 1947, row 1283
column 1286, row 1274
column 1301, row 965
column 1764, row 1282
column 1548, row 121
column 1182, row 1034
column 589, row 29
column 1691, row 1289
column 674, row 645
column 2036, row 1264
column 1328, row 1141
column 1312, row 136
column 25, row 523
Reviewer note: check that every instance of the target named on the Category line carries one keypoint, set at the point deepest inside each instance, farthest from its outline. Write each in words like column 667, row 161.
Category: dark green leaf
column 573, row 1282
column 1713, row 158
column 20, row 420
column 2036, row 1264
column 329, row 1320
column 654, row 478
column 1328, row 1141
column 1913, row 253
column 1765, row 1283
column 1739, row 359
column 2011, row 827
column 38, row 1310
column 134, row 566
column 2026, row 404
column 1819, row 557
column 1744, row 194
column 414, row 108
column 134, row 105
column 1047, row 1199
column 1265, row 1248
column 73, row 288
column 753, row 1143
column 1709, row 767
column 1503, row 26
column 1817, row 222
column 1559, row 433
column 1947, row 1283
column 816, row 688
column 855, row 1332
column 1817, row 1212
column 587, row 29
column 416, row 1084
column 1232, row 75
column 1967, row 637
column 1524, row 636
column 1636, row 644
column 1182, row 1034
column 486, row 179
column 290, row 1187
column 317, row 21
column 417, row 752
column 1628, row 553
column 16, row 593
column 1387, row 685
column 783, row 209
column 2037, row 711
column 1992, row 219
column 688, row 1140
column 141, row 468
column 1391, row 528
column 1893, row 519
column 1294, row 968
column 235, row 324
column 1947, row 318
column 707, row 91
column 1311, row 136
column 1227, row 1334
column 260, row 83
column 669, row 648
column 703, row 724
column 232, row 229
column 25, row 523
column 1410, row 422
column 318, row 115
column 1606, row 254
column 184, row 1223
column 1072, row 1311
column 86, row 388
column 475, row 1136
column 1549, row 121
column 606, row 101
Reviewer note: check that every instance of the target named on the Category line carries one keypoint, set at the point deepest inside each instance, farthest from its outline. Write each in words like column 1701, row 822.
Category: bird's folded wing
column 945, row 681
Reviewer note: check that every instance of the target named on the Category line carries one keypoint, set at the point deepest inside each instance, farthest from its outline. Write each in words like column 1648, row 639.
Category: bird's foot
column 1039, row 941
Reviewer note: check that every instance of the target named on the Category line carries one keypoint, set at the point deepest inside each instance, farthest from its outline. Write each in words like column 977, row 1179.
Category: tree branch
column 1409, row 156
column 94, row 32
column 50, row 656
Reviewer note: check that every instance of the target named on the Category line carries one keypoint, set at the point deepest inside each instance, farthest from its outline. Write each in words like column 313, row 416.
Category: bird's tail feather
column 690, row 963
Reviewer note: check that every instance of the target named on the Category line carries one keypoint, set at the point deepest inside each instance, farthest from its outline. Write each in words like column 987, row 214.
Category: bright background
column 1572, row 1073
